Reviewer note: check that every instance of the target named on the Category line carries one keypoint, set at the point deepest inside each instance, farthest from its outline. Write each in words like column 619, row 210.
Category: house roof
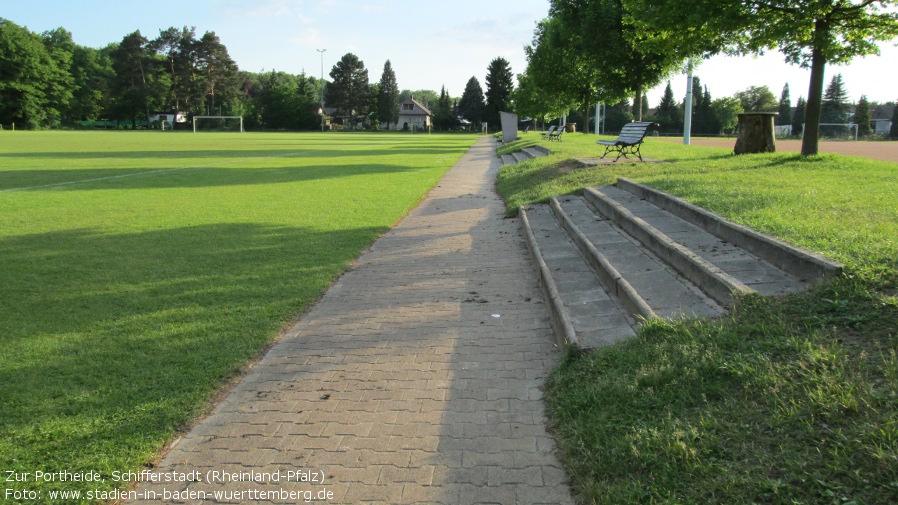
column 417, row 110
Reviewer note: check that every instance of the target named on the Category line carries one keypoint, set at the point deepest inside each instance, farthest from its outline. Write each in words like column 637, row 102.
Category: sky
column 429, row 43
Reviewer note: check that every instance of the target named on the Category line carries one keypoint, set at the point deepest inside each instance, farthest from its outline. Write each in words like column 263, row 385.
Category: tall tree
column 798, row 116
column 863, row 117
column 835, row 107
column 698, row 99
column 499, row 86
column 219, row 72
column 726, row 110
column 348, row 90
column 562, row 70
column 668, row 112
column 707, row 123
column 138, row 87
column 388, row 96
column 757, row 99
column 61, row 49
column 442, row 117
column 631, row 58
column 785, row 107
column 471, row 105
column 810, row 33
column 30, row 79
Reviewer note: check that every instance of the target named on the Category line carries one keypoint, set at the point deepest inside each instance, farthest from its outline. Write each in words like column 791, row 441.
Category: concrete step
column 613, row 258
column 750, row 271
column 665, row 292
column 520, row 156
column 583, row 313
column 798, row 262
column 525, row 154
column 533, row 153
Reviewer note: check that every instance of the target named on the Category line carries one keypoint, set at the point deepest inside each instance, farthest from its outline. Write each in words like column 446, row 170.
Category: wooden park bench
column 549, row 132
column 629, row 140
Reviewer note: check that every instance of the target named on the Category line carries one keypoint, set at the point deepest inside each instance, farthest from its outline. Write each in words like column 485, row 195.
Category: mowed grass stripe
column 135, row 174
column 127, row 301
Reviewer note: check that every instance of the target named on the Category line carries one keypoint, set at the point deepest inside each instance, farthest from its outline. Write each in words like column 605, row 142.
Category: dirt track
column 881, row 150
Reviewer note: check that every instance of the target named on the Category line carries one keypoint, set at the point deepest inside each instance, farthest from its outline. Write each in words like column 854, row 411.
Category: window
column 408, row 106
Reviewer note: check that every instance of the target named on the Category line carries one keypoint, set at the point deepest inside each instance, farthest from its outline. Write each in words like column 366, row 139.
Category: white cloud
column 237, row 9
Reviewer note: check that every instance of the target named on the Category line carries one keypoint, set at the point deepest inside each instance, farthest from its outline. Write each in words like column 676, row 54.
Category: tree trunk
column 638, row 105
column 586, row 118
column 756, row 133
column 811, row 132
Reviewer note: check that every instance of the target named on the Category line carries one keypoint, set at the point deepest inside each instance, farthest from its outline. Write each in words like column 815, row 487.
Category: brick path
column 414, row 380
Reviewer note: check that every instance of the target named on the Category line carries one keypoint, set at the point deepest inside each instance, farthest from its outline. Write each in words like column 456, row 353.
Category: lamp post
column 321, row 51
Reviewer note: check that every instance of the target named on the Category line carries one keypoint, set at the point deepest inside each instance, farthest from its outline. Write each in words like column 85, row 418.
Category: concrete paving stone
column 375, row 382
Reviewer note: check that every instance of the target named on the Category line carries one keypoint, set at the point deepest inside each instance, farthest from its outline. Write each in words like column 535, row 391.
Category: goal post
column 217, row 117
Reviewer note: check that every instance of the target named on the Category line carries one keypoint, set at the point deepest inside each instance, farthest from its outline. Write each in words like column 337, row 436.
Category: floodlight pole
column 321, row 51
column 687, row 116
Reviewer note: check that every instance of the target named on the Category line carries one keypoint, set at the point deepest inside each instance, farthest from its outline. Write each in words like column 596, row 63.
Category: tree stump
column 756, row 133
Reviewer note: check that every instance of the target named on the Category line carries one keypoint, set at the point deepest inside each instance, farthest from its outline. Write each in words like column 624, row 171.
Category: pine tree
column 707, row 123
column 697, row 99
column 835, row 107
column 785, row 107
column 499, row 85
column 442, row 118
column 798, row 116
column 668, row 112
column 471, row 106
column 388, row 96
column 863, row 118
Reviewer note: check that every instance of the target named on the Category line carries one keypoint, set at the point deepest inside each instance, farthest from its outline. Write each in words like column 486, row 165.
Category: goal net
column 218, row 123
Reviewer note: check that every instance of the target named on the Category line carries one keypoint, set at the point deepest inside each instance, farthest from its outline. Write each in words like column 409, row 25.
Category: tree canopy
column 499, row 86
column 810, row 33
column 471, row 106
column 388, row 96
column 348, row 91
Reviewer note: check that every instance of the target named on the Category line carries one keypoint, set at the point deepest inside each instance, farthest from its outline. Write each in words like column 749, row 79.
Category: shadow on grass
column 112, row 342
column 302, row 151
column 188, row 177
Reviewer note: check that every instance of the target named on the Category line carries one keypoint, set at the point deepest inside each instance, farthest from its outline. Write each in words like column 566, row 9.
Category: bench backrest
column 633, row 133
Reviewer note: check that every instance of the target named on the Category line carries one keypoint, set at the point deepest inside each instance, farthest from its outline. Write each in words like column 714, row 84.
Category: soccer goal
column 218, row 123
column 837, row 130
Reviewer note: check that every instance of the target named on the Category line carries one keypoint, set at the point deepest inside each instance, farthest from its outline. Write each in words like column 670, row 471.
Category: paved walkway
column 416, row 379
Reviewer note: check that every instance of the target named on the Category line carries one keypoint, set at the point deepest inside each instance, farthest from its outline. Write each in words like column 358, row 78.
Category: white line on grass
column 110, row 177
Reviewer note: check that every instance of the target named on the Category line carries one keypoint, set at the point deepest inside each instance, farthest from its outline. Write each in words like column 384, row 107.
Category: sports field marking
column 110, row 177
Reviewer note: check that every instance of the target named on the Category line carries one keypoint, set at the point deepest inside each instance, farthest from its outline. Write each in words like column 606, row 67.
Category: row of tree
column 48, row 81
column 376, row 104
column 715, row 116
column 609, row 50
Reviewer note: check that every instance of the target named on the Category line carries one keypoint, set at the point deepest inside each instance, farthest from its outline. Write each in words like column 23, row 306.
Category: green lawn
column 141, row 270
column 790, row 400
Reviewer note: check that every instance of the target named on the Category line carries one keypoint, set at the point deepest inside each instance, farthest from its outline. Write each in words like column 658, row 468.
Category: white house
column 413, row 115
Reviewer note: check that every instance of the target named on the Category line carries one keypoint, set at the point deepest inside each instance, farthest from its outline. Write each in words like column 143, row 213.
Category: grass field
column 140, row 271
column 791, row 400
